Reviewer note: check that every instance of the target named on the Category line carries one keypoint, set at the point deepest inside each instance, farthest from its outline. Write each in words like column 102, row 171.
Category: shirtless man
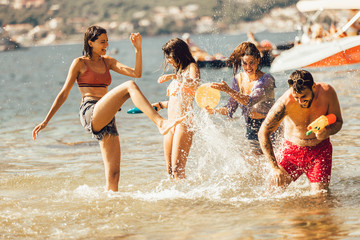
column 299, row 106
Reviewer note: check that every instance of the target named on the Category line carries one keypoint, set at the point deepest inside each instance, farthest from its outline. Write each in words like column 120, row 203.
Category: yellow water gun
column 320, row 123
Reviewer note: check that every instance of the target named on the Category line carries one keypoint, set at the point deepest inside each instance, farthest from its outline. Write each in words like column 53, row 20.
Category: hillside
column 164, row 16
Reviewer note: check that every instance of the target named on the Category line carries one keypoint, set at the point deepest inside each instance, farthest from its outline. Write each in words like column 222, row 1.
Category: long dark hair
column 92, row 33
column 178, row 50
column 243, row 49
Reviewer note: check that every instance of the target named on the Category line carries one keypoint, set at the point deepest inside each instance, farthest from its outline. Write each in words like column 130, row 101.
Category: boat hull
column 212, row 64
column 339, row 52
column 348, row 56
column 266, row 60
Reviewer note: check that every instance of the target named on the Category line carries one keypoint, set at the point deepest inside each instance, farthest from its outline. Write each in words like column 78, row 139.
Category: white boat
column 331, row 53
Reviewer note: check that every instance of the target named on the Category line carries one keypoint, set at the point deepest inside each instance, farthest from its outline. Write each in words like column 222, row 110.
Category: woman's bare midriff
column 256, row 115
column 93, row 92
column 179, row 107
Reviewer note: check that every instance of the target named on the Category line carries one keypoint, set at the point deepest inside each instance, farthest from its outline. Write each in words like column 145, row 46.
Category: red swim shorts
column 314, row 161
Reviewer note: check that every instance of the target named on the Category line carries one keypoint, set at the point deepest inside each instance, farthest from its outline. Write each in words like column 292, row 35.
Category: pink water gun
column 320, row 123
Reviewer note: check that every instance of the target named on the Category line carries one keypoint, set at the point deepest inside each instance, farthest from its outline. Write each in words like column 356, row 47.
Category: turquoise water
column 53, row 188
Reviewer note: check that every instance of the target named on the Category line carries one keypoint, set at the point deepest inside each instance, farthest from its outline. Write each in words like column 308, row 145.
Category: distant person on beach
column 181, row 92
column 306, row 36
column 98, row 105
column 354, row 29
column 335, row 33
column 251, row 38
column 192, row 46
column 265, row 47
column 318, row 33
column 252, row 90
column 197, row 53
column 299, row 106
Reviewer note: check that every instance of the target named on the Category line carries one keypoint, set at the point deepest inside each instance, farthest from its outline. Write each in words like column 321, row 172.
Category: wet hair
column 179, row 51
column 243, row 49
column 92, row 33
column 307, row 78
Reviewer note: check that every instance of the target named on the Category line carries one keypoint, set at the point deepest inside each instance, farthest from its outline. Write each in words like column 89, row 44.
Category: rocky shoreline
column 278, row 20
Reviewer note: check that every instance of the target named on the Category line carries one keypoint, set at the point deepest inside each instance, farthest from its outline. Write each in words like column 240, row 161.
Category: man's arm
column 270, row 124
column 334, row 108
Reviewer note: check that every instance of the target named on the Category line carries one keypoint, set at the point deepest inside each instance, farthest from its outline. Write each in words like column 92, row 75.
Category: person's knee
column 132, row 85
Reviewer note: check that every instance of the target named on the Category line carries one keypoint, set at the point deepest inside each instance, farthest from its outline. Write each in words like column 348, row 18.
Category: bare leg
column 180, row 150
column 168, row 141
column 109, row 104
column 319, row 187
column 111, row 154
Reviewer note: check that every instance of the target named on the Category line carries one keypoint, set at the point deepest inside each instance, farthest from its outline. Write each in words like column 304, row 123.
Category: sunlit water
column 53, row 188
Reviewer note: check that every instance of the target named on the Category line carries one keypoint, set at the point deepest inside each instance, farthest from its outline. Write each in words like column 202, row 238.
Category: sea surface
column 53, row 188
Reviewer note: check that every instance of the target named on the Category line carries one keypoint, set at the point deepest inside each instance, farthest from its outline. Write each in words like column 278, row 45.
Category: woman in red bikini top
column 90, row 78
column 99, row 106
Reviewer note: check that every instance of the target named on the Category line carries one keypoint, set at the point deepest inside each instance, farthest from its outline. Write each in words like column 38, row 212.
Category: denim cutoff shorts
column 86, row 114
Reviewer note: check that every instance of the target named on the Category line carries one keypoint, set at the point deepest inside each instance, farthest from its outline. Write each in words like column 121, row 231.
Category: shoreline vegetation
column 51, row 22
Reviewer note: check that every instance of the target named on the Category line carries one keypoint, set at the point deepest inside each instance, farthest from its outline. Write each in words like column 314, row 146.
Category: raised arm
column 135, row 72
column 61, row 97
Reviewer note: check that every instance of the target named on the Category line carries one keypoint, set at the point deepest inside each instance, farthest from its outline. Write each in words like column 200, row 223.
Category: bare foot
column 180, row 176
column 166, row 125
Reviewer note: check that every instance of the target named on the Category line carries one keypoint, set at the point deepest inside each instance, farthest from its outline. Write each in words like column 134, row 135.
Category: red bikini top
column 93, row 79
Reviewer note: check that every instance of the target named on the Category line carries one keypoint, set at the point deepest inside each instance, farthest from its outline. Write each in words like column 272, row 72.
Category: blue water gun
column 136, row 110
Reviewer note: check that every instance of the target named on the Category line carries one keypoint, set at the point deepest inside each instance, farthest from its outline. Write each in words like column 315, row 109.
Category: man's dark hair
column 305, row 76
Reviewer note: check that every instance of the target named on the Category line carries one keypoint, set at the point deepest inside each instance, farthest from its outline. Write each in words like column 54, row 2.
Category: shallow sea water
column 53, row 188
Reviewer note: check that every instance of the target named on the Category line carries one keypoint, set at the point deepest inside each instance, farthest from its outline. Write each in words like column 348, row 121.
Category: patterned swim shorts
column 314, row 161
